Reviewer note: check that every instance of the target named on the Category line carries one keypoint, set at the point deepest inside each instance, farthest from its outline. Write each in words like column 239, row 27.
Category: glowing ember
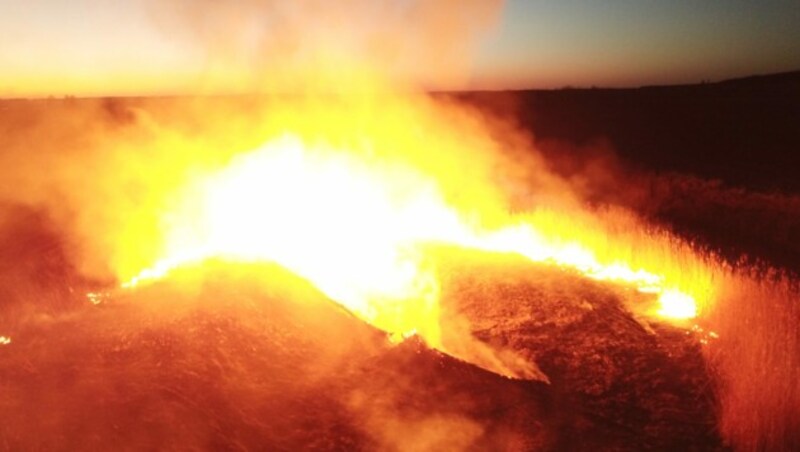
column 5, row 340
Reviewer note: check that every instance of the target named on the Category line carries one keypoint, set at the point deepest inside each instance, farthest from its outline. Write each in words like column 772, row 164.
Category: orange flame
column 352, row 205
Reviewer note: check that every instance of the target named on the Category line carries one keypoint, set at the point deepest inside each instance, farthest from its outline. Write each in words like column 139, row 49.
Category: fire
column 353, row 203
column 677, row 305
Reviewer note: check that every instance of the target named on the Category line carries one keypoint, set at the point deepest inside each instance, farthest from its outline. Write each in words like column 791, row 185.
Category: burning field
column 367, row 267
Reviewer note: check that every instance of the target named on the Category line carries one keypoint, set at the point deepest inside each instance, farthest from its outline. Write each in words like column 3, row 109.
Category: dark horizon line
column 747, row 78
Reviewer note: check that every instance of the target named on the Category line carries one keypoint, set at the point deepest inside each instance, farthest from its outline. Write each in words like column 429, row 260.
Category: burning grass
column 361, row 190
column 757, row 360
column 356, row 195
column 235, row 356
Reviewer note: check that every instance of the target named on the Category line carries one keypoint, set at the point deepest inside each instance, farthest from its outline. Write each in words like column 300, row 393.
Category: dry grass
column 757, row 360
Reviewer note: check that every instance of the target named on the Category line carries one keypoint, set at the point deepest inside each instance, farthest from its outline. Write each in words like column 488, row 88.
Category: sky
column 106, row 47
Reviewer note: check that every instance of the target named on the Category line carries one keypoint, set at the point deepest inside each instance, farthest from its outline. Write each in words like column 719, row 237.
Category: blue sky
column 630, row 42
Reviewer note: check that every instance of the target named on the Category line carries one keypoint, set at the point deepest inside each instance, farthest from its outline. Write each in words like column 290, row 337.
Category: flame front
column 354, row 205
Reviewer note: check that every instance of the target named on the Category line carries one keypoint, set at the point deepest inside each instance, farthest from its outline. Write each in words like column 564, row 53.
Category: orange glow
column 352, row 202
column 677, row 305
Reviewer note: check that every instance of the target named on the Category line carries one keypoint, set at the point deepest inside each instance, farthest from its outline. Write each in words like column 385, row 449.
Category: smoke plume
column 309, row 44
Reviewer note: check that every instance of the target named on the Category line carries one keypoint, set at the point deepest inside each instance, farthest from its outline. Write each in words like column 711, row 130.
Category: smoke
column 109, row 175
column 100, row 182
column 296, row 46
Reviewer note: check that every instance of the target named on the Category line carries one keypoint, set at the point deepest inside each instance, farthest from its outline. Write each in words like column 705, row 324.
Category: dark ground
column 743, row 132
column 243, row 363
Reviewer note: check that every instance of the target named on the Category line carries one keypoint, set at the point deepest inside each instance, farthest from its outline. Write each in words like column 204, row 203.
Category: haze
column 115, row 47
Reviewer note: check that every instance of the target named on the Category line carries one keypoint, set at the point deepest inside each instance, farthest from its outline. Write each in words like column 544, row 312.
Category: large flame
column 351, row 196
